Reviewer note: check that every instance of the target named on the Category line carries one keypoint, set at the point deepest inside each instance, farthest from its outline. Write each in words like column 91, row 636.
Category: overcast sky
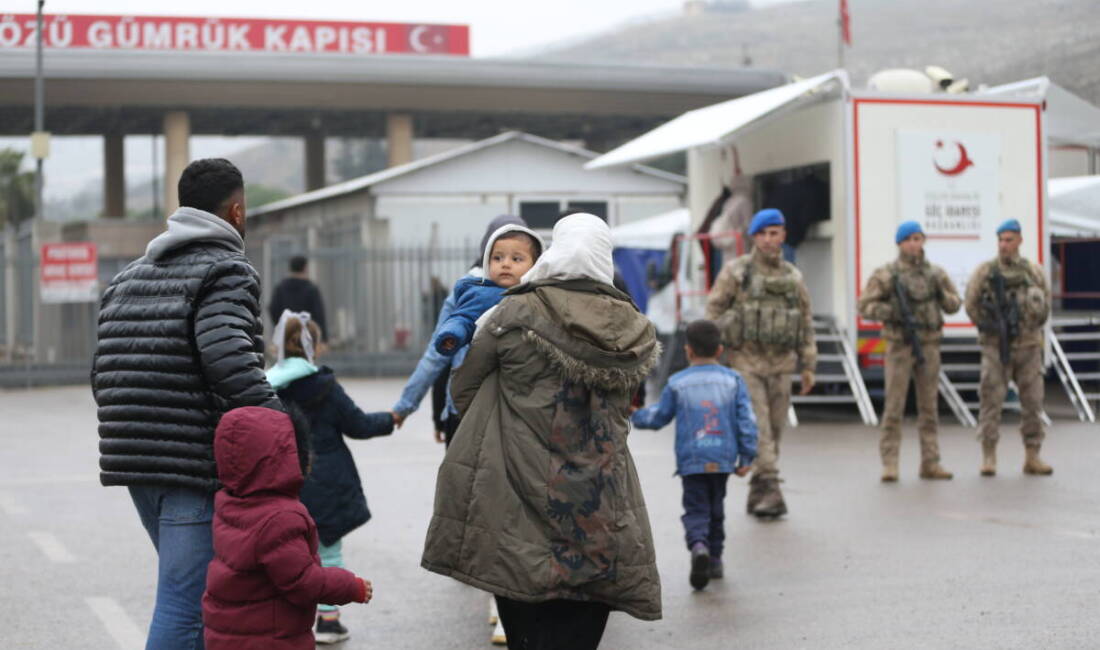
column 496, row 26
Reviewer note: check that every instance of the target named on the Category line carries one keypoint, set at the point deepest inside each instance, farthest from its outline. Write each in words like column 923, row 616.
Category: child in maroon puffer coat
column 266, row 579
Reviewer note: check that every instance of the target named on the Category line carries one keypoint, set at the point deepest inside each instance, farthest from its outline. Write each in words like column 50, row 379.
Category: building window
column 598, row 208
column 542, row 215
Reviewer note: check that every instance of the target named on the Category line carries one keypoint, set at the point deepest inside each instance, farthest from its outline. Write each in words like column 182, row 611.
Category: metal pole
column 39, row 117
column 840, row 42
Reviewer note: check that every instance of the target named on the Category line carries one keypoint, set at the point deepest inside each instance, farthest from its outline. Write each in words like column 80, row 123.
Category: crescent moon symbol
column 964, row 162
column 414, row 38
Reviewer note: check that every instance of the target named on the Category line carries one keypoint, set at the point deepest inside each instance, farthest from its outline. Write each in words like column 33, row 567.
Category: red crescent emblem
column 964, row 161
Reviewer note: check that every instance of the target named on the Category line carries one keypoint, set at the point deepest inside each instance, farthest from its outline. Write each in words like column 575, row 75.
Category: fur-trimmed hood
column 592, row 332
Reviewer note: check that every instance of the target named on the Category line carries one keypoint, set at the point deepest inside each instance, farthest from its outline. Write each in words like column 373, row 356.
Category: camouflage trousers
column 1025, row 367
column 771, row 398
column 900, row 367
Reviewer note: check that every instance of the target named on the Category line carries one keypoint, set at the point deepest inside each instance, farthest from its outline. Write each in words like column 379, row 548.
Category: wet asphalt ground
column 1005, row 562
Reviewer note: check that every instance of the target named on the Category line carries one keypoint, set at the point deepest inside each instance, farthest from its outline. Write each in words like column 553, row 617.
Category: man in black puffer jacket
column 180, row 343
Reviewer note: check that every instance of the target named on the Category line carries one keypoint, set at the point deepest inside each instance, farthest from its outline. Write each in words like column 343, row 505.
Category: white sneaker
column 498, row 637
column 493, row 616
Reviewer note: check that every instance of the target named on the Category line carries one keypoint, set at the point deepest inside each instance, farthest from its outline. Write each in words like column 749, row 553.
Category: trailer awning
column 1074, row 206
column 713, row 125
column 1070, row 119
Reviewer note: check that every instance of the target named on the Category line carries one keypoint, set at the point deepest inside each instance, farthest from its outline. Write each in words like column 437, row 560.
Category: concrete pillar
column 315, row 161
column 114, row 176
column 177, row 155
column 399, row 138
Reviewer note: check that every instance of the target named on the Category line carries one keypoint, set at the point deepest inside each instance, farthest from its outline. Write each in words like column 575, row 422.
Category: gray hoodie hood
column 189, row 225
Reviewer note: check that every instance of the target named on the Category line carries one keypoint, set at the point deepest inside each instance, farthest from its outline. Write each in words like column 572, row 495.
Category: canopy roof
column 713, row 125
column 1069, row 119
column 1074, row 206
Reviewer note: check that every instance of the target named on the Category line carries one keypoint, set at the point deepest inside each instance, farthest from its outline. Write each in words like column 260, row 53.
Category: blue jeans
column 705, row 511
column 178, row 521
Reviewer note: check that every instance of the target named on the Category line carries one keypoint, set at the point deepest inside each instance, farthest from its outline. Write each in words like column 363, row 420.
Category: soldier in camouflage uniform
column 1008, row 296
column 763, row 309
column 928, row 293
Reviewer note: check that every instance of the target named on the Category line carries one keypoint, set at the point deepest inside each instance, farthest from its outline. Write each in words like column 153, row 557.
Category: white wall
column 635, row 208
column 462, row 218
column 1068, row 161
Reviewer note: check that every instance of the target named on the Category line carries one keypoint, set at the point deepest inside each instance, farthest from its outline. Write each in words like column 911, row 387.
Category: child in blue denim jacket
column 715, row 436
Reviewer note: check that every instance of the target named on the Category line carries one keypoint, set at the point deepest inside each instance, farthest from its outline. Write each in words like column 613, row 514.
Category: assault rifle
column 908, row 321
column 1006, row 315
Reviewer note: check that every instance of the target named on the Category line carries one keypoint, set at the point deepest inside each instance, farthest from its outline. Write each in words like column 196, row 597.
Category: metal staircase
column 837, row 373
column 1079, row 368
column 960, row 377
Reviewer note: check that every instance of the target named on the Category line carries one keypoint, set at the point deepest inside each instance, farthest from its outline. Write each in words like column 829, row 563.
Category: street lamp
column 40, row 140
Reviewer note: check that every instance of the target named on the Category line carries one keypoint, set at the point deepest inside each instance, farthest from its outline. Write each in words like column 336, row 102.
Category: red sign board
column 69, row 272
column 233, row 35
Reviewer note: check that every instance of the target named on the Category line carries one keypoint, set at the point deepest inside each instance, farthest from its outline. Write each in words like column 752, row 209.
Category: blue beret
column 906, row 229
column 764, row 218
column 1009, row 225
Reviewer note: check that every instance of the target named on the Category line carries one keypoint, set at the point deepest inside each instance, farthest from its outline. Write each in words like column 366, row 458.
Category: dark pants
column 705, row 510
column 552, row 625
column 450, row 425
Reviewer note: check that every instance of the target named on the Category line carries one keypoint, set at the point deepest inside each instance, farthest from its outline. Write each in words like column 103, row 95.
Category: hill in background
column 986, row 41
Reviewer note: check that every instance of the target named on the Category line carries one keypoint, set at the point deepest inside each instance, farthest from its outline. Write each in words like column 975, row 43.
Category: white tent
column 1074, row 206
column 711, row 125
column 1069, row 119
column 653, row 233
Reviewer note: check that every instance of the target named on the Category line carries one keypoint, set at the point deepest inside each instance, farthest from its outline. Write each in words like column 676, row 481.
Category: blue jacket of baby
column 473, row 297
column 715, row 425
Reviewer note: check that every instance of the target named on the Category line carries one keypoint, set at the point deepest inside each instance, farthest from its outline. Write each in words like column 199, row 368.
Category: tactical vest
column 923, row 294
column 767, row 311
column 1017, row 309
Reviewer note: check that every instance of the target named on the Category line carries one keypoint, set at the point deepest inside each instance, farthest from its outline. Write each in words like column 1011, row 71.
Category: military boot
column 935, row 471
column 989, row 458
column 771, row 504
column 756, row 492
column 890, row 471
column 1035, row 465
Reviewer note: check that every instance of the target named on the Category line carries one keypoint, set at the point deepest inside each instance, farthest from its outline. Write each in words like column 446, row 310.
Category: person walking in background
column 333, row 492
column 266, row 578
column 715, row 437
column 298, row 293
column 179, row 345
column 538, row 499
column 761, row 305
column 1008, row 298
column 909, row 296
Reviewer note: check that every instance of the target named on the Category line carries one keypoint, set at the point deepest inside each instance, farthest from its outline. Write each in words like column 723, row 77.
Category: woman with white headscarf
column 538, row 500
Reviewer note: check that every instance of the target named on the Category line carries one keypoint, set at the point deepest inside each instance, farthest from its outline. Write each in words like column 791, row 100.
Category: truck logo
column 962, row 165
